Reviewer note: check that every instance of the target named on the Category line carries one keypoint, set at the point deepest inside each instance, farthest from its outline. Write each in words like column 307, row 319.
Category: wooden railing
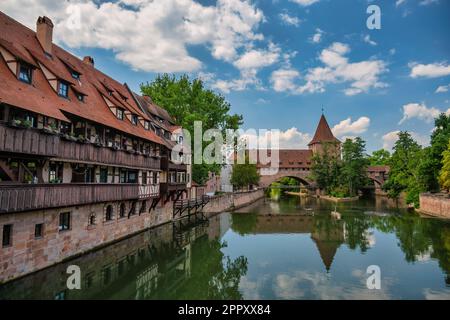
column 24, row 197
column 36, row 142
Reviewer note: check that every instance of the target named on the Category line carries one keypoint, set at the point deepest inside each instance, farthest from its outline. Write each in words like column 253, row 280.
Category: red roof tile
column 40, row 96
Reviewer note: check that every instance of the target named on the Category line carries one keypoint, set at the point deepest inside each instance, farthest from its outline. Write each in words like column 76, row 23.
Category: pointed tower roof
column 323, row 132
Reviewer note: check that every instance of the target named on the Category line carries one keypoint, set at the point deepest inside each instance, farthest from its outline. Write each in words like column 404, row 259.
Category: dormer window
column 25, row 73
column 119, row 113
column 75, row 75
column 134, row 119
column 80, row 97
column 63, row 89
column 110, row 93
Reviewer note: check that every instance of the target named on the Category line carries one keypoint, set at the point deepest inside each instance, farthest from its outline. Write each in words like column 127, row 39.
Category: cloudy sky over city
column 278, row 62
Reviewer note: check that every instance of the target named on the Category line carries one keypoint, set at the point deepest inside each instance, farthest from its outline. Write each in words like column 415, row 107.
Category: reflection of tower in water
column 328, row 236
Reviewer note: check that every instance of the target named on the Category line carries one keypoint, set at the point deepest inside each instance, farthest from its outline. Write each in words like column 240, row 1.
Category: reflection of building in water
column 326, row 233
column 328, row 239
column 149, row 265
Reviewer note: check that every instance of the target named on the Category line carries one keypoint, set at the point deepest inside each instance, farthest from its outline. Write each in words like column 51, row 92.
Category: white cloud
column 399, row 2
column 248, row 78
column 153, row 35
column 361, row 76
column 290, row 139
column 390, row 138
column 419, row 111
column 258, row 58
column 347, row 127
column 284, row 80
column 305, row 3
column 249, row 64
column 442, row 89
column 317, row 37
column 428, row 2
column 432, row 70
column 289, row 20
column 369, row 41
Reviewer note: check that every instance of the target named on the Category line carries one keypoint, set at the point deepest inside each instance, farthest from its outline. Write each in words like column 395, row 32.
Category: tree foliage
column 432, row 163
column 404, row 175
column 187, row 101
column 444, row 176
column 379, row 158
column 325, row 168
column 244, row 175
column 341, row 177
column 354, row 165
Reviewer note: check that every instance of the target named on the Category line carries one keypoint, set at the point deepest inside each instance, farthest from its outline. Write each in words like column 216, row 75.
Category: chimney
column 89, row 60
column 44, row 33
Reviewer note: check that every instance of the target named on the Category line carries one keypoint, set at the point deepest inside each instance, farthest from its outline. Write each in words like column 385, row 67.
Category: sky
column 278, row 62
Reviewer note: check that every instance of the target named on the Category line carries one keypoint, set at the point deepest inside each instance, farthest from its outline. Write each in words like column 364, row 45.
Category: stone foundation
column 27, row 254
column 437, row 205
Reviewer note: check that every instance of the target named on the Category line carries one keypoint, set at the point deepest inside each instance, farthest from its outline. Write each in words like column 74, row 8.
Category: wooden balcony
column 24, row 197
column 170, row 187
column 37, row 143
column 167, row 165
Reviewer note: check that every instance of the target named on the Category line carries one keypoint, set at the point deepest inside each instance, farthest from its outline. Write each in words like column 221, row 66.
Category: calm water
column 286, row 249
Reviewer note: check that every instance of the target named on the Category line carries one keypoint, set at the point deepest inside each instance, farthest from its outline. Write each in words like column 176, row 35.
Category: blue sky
column 278, row 62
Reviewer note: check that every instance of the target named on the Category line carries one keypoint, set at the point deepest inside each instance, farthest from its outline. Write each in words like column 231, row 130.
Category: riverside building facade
column 84, row 161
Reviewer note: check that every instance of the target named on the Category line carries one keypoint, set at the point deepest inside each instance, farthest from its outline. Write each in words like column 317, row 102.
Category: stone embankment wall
column 231, row 201
column 437, row 205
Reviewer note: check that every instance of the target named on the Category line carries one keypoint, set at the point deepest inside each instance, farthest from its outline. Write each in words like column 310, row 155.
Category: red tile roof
column 323, row 132
column 41, row 98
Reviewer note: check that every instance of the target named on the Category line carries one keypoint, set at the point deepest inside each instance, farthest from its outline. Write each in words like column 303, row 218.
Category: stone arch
column 302, row 180
column 267, row 180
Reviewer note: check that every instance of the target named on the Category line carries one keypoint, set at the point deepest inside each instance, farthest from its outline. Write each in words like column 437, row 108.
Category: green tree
column 432, row 163
column 444, row 176
column 379, row 158
column 244, row 175
column 404, row 169
column 325, row 169
column 187, row 101
column 354, row 164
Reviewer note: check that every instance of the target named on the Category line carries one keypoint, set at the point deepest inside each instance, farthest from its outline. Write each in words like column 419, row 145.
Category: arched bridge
column 378, row 174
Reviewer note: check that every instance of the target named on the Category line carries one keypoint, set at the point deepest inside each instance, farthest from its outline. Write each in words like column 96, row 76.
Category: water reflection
column 287, row 249
column 183, row 260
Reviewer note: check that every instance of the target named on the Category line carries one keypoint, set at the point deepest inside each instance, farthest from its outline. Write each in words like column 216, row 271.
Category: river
column 289, row 248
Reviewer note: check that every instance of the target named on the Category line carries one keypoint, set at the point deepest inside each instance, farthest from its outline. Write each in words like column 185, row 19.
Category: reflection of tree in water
column 357, row 227
column 417, row 235
column 213, row 275
column 244, row 223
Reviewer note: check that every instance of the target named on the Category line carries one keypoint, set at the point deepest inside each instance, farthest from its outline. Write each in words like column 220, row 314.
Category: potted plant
column 82, row 139
column 16, row 123
column 27, row 124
